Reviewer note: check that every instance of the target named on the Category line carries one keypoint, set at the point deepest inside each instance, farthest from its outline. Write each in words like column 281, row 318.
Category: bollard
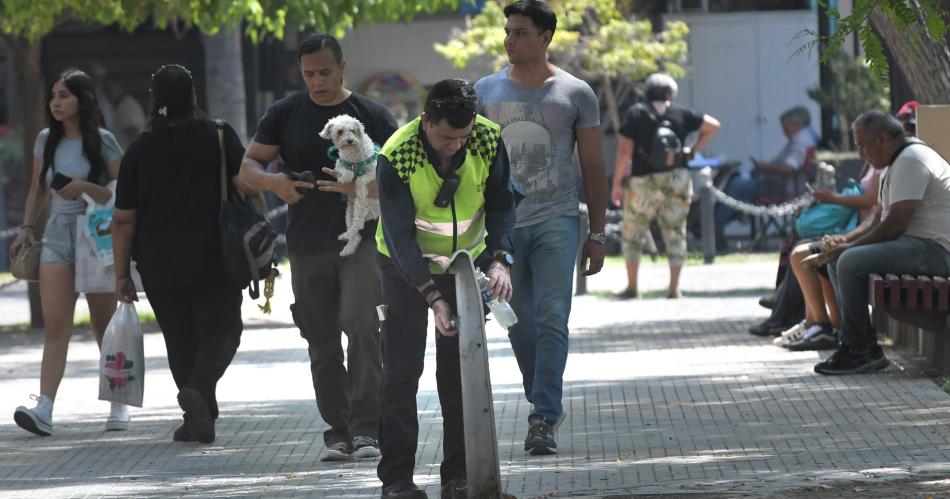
column 708, row 216
column 481, row 442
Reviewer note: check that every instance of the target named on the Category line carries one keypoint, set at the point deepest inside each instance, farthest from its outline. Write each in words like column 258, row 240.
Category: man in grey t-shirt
column 907, row 235
column 544, row 112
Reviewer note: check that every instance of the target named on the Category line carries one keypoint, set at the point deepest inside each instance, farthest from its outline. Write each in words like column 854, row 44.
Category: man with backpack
column 650, row 177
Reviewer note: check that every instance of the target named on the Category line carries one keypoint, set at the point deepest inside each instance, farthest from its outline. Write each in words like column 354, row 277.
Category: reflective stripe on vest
column 442, row 231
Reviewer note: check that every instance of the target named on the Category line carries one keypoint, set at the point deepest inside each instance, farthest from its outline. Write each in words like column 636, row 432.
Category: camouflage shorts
column 662, row 196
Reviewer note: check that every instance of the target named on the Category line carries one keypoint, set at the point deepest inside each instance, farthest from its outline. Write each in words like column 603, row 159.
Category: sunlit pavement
column 663, row 397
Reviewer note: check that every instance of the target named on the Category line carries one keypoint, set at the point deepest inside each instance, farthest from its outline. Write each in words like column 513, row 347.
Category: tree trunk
column 30, row 90
column 225, row 80
column 926, row 65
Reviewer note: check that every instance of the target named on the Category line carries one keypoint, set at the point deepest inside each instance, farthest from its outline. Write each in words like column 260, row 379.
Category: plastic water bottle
column 500, row 309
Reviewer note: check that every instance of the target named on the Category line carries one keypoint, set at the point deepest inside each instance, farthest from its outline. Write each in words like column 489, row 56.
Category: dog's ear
column 327, row 131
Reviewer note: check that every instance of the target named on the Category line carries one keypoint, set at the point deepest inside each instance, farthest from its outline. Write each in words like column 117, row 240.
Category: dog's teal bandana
column 357, row 168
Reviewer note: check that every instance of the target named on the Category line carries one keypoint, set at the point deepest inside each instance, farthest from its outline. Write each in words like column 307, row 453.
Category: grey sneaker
column 365, row 447
column 339, row 451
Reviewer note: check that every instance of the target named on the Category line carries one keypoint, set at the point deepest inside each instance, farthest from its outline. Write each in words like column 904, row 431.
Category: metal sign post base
column 481, row 442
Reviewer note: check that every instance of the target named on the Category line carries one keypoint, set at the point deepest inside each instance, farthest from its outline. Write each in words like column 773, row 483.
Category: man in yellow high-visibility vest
column 444, row 185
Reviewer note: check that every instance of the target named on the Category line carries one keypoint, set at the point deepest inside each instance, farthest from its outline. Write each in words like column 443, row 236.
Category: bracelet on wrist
column 437, row 298
column 26, row 226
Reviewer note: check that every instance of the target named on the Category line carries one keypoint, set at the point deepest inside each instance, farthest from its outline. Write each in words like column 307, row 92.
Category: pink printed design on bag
column 116, row 367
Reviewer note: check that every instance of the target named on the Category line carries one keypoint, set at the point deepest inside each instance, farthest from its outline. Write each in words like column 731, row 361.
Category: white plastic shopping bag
column 95, row 269
column 91, row 275
column 122, row 358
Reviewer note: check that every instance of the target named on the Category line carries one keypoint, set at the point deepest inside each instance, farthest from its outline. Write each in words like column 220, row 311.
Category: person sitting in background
column 777, row 177
column 819, row 329
column 910, row 234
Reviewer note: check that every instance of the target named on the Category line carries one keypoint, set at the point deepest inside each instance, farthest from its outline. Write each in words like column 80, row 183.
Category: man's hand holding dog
column 348, row 188
column 286, row 188
column 499, row 282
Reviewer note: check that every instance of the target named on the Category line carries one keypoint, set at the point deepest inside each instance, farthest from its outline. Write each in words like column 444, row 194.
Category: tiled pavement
column 664, row 397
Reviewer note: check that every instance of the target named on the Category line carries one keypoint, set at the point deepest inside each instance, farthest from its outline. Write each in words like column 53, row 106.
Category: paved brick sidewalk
column 664, row 397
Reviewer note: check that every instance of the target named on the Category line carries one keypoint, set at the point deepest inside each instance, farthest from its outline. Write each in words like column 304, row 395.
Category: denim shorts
column 59, row 239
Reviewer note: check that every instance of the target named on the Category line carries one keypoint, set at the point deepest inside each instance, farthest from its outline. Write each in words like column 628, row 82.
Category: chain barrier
column 614, row 217
column 775, row 210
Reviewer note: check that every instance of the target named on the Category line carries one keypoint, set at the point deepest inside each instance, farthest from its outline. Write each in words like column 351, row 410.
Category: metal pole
column 478, row 414
column 708, row 216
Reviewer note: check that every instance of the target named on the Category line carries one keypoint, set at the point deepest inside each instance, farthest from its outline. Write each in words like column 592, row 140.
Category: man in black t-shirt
column 651, row 194
column 332, row 293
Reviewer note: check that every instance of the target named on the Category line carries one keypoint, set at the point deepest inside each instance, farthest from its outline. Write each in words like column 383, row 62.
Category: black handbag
column 248, row 241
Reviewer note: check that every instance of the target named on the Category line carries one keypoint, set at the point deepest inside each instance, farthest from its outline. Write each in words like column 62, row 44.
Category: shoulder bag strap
column 224, row 173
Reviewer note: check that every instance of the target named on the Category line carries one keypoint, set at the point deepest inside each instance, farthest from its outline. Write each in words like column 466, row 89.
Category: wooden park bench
column 913, row 312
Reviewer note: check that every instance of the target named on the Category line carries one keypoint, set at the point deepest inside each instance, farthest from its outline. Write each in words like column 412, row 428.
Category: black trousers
column 202, row 328
column 403, row 344
column 333, row 296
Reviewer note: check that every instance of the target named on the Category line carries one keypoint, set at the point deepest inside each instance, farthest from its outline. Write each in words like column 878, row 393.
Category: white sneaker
column 118, row 419
column 38, row 420
column 791, row 334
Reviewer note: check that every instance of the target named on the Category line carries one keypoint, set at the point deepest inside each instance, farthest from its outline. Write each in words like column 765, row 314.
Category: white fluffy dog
column 356, row 163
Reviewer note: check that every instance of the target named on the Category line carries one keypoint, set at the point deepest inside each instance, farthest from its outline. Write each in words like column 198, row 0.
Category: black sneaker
column 337, row 451
column 200, row 422
column 403, row 490
column 456, row 488
column 816, row 337
column 540, row 441
column 845, row 362
column 365, row 447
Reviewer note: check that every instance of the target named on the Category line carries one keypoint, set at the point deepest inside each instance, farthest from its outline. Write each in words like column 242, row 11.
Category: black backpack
column 666, row 149
column 248, row 241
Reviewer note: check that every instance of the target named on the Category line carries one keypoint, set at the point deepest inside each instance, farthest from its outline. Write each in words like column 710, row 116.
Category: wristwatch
column 504, row 257
column 598, row 237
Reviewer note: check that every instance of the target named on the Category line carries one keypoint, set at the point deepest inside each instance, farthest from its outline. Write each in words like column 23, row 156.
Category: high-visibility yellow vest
column 442, row 231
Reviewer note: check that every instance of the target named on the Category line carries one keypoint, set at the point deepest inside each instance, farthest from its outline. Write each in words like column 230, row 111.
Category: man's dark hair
column 318, row 42
column 540, row 13
column 452, row 100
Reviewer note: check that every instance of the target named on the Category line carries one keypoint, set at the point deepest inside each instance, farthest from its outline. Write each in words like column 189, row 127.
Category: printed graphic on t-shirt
column 527, row 130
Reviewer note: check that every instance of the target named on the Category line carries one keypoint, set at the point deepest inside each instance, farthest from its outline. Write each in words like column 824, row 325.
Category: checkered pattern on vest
column 410, row 155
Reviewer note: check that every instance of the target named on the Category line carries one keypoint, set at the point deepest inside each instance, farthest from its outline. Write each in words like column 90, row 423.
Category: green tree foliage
column 32, row 19
column 855, row 92
column 921, row 20
column 600, row 41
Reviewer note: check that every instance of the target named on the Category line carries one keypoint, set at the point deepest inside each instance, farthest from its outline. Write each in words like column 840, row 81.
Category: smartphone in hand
column 306, row 176
column 59, row 181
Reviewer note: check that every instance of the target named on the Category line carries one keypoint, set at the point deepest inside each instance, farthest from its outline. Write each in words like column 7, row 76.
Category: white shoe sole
column 28, row 421
column 117, row 425
column 366, row 453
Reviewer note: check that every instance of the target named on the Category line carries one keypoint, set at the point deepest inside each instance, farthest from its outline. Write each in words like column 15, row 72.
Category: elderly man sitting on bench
column 910, row 234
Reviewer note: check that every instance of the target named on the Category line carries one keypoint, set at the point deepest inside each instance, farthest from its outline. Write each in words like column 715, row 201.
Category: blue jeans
column 904, row 255
column 543, row 278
